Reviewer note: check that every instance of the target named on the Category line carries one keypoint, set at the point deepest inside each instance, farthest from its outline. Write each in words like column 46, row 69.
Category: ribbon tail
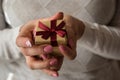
column 45, row 34
column 61, row 32
column 53, row 24
column 43, row 26
column 53, row 39
column 61, row 25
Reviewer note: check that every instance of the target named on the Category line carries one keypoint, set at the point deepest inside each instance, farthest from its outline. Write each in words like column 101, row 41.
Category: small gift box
column 51, row 32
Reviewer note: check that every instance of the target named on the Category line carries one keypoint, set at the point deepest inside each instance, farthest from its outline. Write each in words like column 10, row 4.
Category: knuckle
column 73, row 57
column 36, row 50
column 47, row 64
column 30, row 65
column 17, row 41
column 25, row 52
column 55, row 68
column 41, row 49
column 47, row 72
column 32, row 68
column 29, row 51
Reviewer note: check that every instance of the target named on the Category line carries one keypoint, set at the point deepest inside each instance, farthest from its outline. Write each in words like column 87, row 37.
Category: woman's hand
column 75, row 29
column 38, row 57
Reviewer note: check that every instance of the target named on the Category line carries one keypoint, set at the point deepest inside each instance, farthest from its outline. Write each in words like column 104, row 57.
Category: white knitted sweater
column 97, row 50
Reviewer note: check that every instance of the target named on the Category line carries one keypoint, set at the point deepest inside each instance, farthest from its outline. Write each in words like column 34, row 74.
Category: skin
column 44, row 61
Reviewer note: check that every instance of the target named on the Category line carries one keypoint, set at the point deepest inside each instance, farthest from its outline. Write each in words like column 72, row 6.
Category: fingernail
column 28, row 43
column 44, row 56
column 48, row 49
column 53, row 62
column 54, row 75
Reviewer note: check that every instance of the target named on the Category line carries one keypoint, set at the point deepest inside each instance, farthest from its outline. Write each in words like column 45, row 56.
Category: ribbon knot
column 52, row 32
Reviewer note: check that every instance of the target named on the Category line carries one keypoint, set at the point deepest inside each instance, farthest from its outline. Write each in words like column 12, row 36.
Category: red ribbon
column 52, row 32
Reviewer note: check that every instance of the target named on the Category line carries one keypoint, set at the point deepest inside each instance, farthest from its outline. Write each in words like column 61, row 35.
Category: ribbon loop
column 52, row 32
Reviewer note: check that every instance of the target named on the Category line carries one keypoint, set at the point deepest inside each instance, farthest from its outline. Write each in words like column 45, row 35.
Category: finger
column 46, row 56
column 72, row 43
column 48, row 49
column 57, row 16
column 67, row 52
column 24, row 42
column 51, row 72
column 25, row 37
column 57, row 66
column 37, row 50
column 60, row 62
column 34, row 63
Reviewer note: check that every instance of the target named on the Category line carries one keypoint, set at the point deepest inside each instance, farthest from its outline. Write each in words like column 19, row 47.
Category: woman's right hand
column 37, row 57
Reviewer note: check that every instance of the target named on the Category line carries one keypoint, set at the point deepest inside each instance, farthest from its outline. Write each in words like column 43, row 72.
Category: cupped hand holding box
column 51, row 32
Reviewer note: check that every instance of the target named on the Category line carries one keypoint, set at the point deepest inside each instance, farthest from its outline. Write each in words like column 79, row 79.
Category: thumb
column 22, row 41
column 67, row 52
column 58, row 15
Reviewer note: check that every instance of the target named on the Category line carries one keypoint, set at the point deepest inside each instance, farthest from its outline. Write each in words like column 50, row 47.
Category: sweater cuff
column 15, row 34
column 87, row 36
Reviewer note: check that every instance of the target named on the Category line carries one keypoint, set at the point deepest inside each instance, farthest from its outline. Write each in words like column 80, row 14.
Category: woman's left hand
column 75, row 29
column 36, row 55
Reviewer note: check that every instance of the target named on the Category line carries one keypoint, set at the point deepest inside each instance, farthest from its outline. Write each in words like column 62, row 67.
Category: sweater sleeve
column 8, row 49
column 101, row 40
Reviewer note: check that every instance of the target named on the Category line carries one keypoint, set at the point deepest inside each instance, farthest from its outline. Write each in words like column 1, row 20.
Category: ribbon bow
column 52, row 32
